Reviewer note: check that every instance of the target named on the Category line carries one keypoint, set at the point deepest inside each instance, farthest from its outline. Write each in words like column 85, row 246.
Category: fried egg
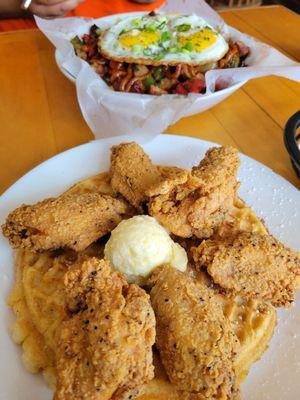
column 163, row 39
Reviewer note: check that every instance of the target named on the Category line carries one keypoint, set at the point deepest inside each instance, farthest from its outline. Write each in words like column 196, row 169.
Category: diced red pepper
column 181, row 88
column 86, row 38
column 193, row 86
column 91, row 51
column 196, row 85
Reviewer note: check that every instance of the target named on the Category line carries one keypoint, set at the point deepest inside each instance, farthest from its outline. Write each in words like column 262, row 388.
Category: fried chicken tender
column 196, row 343
column 251, row 265
column 104, row 346
column 132, row 172
column 199, row 201
column 72, row 220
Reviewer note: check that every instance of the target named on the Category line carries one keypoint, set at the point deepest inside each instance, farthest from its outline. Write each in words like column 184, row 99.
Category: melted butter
column 142, row 39
column 200, row 40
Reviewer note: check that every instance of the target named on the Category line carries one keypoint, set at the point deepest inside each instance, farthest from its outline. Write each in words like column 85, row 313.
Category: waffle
column 244, row 219
column 254, row 324
column 44, row 294
column 99, row 183
column 38, row 303
column 36, row 356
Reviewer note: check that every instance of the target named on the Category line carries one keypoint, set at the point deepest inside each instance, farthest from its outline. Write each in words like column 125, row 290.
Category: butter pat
column 140, row 244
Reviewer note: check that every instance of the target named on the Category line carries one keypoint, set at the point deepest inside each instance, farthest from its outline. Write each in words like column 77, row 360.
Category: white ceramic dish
column 206, row 102
column 277, row 375
column 59, row 62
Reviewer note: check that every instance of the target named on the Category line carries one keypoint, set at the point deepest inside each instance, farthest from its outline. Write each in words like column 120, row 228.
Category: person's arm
column 12, row 9
column 42, row 8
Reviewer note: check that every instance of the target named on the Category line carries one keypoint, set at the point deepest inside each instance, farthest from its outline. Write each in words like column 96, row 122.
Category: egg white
column 158, row 53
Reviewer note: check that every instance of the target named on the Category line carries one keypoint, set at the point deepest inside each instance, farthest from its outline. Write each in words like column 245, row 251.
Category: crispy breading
column 132, row 172
column 218, row 167
column 196, row 343
column 169, row 177
column 251, row 265
column 200, row 202
column 71, row 220
column 104, row 347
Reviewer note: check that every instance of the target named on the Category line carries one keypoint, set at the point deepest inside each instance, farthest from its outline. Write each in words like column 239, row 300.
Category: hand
column 53, row 8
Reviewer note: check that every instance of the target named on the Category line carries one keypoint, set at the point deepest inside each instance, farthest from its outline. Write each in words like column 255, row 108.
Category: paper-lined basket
column 110, row 113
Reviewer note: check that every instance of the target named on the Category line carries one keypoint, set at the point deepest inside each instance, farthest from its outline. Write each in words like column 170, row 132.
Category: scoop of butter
column 140, row 244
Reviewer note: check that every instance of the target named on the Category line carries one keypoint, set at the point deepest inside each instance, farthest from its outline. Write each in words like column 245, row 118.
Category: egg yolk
column 199, row 40
column 144, row 39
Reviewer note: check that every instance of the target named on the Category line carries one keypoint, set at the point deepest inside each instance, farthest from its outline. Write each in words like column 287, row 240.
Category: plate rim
column 122, row 138
column 186, row 140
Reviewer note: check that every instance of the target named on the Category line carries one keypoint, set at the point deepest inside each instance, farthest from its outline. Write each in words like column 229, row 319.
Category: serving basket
column 292, row 141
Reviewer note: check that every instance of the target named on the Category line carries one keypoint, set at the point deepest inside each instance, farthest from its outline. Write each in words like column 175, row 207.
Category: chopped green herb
column 148, row 82
column 161, row 25
column 173, row 50
column 159, row 56
column 151, row 27
column 183, row 27
column 165, row 36
column 162, row 18
column 149, row 30
column 185, row 51
column 136, row 48
column 147, row 52
column 137, row 22
column 189, row 46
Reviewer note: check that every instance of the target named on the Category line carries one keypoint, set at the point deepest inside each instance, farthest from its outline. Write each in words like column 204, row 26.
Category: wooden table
column 39, row 114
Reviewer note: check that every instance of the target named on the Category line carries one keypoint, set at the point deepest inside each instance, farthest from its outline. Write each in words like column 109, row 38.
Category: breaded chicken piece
column 251, row 265
column 196, row 343
column 200, row 201
column 72, row 220
column 104, row 346
column 218, row 168
column 132, row 172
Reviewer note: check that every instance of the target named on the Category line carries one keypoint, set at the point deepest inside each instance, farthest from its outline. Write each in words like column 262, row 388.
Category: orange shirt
column 90, row 8
column 99, row 8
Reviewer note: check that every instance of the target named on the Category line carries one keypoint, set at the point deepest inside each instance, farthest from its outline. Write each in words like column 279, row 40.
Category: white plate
column 277, row 375
column 59, row 62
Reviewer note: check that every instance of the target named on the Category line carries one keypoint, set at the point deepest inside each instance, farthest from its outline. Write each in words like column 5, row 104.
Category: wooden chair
column 219, row 4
